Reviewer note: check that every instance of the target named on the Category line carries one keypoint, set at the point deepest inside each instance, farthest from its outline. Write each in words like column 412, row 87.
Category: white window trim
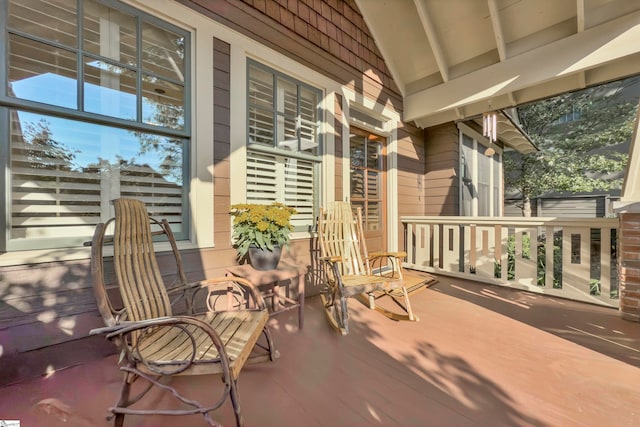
column 389, row 118
column 242, row 49
column 202, row 32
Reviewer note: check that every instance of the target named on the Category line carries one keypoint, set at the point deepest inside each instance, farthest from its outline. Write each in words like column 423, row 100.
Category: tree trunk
column 526, row 206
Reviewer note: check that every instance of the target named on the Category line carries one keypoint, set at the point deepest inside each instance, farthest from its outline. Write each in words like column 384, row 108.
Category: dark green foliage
column 579, row 136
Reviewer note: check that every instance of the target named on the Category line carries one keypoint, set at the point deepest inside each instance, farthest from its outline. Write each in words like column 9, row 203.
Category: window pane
column 109, row 33
column 484, row 179
column 162, row 103
column 162, row 52
column 374, row 160
column 64, row 173
column 109, row 89
column 287, row 100
column 260, row 88
column 262, row 178
column 373, row 216
column 272, row 178
column 357, row 151
column 309, row 101
column 30, row 16
column 261, row 124
column 40, row 72
column 260, row 127
column 287, row 135
column 298, row 189
column 357, row 184
column 373, row 185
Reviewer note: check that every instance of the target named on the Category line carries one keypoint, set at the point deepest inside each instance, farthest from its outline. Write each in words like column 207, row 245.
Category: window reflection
column 53, row 20
column 109, row 89
column 45, row 74
column 64, row 173
column 101, row 23
column 48, row 72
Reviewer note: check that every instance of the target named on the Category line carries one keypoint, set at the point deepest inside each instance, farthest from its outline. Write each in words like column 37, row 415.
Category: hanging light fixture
column 490, row 130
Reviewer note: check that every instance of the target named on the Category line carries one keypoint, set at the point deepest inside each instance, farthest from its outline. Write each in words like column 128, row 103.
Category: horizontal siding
column 577, row 207
column 411, row 172
column 573, row 207
column 441, row 177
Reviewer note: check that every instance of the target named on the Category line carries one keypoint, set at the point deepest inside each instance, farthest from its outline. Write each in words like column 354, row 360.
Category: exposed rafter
column 580, row 15
column 497, row 29
column 554, row 61
column 498, row 35
column 423, row 13
column 580, row 22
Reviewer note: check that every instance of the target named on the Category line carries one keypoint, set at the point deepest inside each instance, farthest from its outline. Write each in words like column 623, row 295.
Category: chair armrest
column 399, row 254
column 125, row 328
column 250, row 288
column 181, row 288
column 332, row 259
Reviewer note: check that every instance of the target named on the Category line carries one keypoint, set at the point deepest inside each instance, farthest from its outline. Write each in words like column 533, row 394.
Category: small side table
column 268, row 282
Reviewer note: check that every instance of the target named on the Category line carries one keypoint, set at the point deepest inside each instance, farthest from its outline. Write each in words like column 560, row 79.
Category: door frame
column 384, row 122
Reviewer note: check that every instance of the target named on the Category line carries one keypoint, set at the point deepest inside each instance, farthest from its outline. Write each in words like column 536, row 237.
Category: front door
column 367, row 151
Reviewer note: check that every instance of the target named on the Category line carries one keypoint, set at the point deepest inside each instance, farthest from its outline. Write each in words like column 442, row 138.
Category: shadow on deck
column 480, row 355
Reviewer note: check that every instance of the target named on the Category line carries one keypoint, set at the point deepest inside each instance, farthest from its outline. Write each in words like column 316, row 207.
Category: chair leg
column 273, row 353
column 407, row 304
column 235, row 401
column 344, row 314
column 124, row 398
column 335, row 307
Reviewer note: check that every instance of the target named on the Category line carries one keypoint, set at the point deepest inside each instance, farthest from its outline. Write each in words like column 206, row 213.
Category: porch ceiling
column 458, row 58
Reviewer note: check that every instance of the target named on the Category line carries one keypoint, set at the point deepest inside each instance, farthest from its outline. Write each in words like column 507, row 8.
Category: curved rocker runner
column 352, row 272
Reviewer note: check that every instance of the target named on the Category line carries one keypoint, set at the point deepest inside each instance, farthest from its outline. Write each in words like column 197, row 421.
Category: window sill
column 22, row 258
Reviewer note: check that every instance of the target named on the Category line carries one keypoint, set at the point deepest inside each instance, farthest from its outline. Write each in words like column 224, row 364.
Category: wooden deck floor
column 479, row 356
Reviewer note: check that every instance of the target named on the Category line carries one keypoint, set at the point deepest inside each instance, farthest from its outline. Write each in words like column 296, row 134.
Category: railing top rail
column 514, row 221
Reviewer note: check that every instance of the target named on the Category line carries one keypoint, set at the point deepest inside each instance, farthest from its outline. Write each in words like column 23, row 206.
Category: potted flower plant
column 260, row 231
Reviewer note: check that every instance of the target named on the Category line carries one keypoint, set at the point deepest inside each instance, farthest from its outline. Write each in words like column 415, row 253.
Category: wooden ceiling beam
column 430, row 31
column 594, row 47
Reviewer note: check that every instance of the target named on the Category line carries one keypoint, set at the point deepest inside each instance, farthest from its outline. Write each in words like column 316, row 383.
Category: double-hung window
column 93, row 106
column 283, row 147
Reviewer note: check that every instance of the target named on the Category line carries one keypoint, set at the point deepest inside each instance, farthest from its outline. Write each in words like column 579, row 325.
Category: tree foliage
column 579, row 135
column 43, row 150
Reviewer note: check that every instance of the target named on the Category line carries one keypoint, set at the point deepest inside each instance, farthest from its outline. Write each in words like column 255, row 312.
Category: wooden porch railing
column 573, row 258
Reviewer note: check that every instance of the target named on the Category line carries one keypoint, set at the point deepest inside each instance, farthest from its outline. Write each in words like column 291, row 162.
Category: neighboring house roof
column 453, row 60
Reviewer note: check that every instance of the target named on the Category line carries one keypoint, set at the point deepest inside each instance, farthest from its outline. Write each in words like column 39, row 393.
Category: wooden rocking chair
column 154, row 342
column 352, row 272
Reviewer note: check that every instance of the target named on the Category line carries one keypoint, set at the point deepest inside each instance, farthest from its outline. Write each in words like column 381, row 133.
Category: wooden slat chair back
column 153, row 340
column 142, row 288
column 349, row 267
column 341, row 232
